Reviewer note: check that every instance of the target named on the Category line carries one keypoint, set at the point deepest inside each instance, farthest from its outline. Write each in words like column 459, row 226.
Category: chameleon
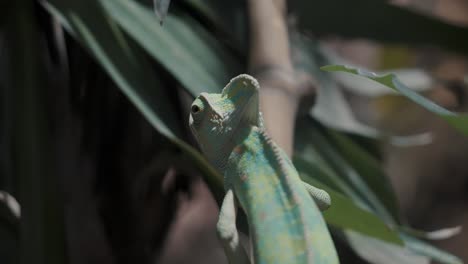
column 283, row 212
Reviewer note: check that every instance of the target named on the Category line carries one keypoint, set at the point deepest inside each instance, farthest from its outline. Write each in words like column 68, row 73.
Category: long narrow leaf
column 353, row 185
column 87, row 22
column 459, row 121
column 309, row 158
column 190, row 54
column 368, row 168
column 345, row 214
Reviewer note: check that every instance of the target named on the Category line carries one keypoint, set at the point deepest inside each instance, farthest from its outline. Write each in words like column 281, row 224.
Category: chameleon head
column 215, row 117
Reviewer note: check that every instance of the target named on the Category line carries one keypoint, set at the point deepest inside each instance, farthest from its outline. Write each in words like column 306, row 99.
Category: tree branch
column 270, row 62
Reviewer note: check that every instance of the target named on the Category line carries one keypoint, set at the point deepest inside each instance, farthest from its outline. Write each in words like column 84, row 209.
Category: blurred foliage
column 201, row 45
column 379, row 21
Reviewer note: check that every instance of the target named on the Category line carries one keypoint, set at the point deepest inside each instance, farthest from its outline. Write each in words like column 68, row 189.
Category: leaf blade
column 191, row 56
column 345, row 214
column 458, row 121
column 89, row 25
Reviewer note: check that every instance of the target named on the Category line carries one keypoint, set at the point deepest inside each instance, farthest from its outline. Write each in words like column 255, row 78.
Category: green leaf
column 379, row 21
column 331, row 107
column 185, row 49
column 87, row 22
column 128, row 68
column 317, row 167
column 309, row 159
column 350, row 181
column 417, row 79
column 459, row 121
column 368, row 168
column 345, row 214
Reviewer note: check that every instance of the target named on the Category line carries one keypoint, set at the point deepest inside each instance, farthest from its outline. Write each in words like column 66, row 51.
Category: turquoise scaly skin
column 285, row 224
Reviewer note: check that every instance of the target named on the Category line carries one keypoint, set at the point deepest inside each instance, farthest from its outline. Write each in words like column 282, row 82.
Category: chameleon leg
column 321, row 197
column 227, row 231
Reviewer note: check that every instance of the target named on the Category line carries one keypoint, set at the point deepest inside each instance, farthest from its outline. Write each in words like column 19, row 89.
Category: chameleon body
column 285, row 224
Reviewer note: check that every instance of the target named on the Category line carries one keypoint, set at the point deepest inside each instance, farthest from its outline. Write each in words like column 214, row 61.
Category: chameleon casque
column 285, row 224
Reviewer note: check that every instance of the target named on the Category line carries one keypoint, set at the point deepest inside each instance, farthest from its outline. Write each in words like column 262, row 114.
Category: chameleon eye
column 195, row 109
